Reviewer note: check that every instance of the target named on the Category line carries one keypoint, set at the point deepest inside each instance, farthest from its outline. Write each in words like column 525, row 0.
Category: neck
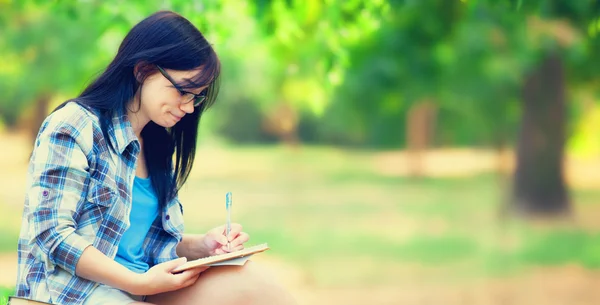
column 138, row 119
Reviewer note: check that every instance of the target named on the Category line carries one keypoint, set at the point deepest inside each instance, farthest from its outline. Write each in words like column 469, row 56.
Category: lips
column 178, row 118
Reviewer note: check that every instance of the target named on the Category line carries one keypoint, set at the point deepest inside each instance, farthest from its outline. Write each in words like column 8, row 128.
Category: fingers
column 236, row 229
column 170, row 265
column 224, row 244
column 236, row 248
column 236, row 245
column 242, row 238
column 190, row 281
column 187, row 278
column 190, row 274
column 221, row 250
column 195, row 271
column 218, row 235
column 202, row 268
column 221, row 239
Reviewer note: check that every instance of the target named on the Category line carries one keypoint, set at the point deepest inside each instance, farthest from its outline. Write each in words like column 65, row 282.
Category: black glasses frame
column 197, row 98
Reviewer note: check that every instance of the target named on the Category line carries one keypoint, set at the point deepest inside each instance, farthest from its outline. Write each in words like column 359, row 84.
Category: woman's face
column 161, row 102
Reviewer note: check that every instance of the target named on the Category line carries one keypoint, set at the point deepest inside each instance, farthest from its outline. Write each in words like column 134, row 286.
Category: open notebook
column 233, row 258
column 21, row 301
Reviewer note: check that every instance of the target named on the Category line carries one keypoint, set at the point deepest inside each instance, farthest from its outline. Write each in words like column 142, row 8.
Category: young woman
column 102, row 223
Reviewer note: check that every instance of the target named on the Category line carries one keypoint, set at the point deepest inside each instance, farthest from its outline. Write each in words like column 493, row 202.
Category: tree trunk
column 40, row 111
column 283, row 123
column 420, row 131
column 539, row 187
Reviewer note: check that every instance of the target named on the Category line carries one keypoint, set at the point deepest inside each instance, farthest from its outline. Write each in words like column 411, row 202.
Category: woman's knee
column 248, row 284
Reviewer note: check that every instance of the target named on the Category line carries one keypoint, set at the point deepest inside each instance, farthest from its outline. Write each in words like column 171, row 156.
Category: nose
column 187, row 107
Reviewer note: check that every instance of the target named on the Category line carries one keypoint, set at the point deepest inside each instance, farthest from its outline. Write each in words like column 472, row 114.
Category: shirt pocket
column 96, row 207
column 100, row 194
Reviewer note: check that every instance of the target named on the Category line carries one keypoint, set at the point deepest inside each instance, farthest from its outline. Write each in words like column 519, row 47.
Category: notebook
column 233, row 258
column 21, row 301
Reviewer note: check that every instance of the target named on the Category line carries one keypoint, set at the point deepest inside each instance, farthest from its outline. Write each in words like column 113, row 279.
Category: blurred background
column 390, row 152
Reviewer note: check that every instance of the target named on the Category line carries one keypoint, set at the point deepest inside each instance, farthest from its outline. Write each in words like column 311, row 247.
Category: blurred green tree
column 309, row 42
column 355, row 72
column 558, row 33
column 50, row 48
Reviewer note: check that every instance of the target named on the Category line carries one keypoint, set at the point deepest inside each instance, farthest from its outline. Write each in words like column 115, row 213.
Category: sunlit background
column 389, row 152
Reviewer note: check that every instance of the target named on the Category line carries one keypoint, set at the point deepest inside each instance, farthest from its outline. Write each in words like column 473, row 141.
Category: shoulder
column 72, row 114
column 73, row 121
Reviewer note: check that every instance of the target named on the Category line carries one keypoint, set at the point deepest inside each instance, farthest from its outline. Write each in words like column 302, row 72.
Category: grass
column 332, row 215
column 10, row 220
column 4, row 293
column 318, row 206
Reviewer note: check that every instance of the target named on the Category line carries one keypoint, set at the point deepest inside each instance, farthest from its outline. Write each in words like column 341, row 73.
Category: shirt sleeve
column 59, row 174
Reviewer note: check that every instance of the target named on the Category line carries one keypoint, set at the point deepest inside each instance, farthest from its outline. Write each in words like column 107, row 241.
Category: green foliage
column 5, row 292
column 350, row 70
column 50, row 53
column 241, row 123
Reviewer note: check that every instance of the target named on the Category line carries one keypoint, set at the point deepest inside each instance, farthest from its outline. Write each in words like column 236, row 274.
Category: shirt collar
column 122, row 131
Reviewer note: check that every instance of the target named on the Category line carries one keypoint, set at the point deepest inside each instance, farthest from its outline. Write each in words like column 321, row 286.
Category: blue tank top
column 144, row 211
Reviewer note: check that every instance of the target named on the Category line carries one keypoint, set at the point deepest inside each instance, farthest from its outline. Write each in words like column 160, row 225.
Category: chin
column 169, row 124
column 165, row 123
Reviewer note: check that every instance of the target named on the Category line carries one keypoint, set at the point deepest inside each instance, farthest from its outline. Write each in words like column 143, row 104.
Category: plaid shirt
column 79, row 194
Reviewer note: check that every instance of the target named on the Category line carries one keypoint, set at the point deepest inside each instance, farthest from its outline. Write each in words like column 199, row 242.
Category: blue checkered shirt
column 79, row 194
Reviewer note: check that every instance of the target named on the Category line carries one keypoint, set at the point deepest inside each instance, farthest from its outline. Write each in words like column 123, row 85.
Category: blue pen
column 228, row 208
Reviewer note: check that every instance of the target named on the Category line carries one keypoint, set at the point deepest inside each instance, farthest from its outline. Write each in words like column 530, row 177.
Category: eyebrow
column 186, row 81
column 200, row 92
column 183, row 83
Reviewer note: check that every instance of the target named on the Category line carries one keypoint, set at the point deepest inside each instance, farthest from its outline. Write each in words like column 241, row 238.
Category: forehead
column 185, row 79
column 183, row 75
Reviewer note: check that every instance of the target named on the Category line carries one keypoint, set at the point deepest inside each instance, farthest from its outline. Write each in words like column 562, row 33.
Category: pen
column 228, row 208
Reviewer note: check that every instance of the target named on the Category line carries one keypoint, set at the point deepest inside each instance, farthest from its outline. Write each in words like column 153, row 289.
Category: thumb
column 216, row 240
column 223, row 240
column 170, row 265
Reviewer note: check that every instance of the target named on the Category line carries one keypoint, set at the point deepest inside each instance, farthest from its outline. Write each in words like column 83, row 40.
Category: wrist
column 201, row 248
column 135, row 283
column 192, row 246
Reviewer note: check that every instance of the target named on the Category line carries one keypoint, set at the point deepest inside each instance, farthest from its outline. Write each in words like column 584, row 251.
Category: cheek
column 156, row 99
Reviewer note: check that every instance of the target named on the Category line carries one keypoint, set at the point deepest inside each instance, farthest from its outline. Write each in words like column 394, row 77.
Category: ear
column 140, row 69
column 137, row 74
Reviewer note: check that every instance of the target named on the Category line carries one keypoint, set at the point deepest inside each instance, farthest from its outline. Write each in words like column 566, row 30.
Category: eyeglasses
column 186, row 96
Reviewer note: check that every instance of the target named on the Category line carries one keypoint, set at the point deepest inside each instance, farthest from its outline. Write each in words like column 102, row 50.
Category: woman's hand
column 160, row 278
column 215, row 241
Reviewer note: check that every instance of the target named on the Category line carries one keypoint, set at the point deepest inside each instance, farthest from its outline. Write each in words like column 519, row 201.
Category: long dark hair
column 170, row 41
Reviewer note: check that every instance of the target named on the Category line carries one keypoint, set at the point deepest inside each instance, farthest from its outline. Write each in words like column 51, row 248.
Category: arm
column 192, row 247
column 214, row 242
column 59, row 171
column 95, row 266
column 60, row 175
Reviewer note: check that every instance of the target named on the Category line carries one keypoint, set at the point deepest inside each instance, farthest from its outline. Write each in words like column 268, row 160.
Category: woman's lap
column 103, row 295
column 248, row 284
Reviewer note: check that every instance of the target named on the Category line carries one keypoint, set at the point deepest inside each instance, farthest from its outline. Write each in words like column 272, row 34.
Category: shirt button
column 167, row 217
column 45, row 193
